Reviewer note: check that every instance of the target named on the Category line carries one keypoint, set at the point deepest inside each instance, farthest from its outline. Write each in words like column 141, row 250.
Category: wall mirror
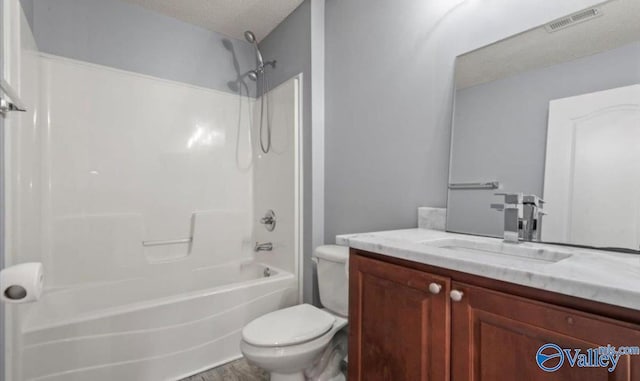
column 555, row 112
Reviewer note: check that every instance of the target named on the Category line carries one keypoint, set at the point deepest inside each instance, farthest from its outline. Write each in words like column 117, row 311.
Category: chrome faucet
column 267, row 246
column 522, row 216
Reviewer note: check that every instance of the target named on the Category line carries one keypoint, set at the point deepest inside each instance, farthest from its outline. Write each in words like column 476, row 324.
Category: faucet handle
column 269, row 220
column 533, row 199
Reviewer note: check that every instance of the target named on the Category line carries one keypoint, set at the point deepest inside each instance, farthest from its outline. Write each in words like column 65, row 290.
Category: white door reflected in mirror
column 592, row 182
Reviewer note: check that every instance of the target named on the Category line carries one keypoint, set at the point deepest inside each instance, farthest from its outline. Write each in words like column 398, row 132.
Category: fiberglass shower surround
column 144, row 221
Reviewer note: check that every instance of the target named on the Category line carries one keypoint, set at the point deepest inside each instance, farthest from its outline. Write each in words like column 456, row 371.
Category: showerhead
column 250, row 36
column 253, row 75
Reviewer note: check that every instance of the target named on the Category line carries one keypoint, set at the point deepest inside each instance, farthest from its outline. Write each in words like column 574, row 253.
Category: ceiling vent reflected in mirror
column 571, row 20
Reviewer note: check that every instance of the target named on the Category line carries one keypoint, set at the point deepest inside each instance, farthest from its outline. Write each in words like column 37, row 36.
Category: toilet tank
column 333, row 279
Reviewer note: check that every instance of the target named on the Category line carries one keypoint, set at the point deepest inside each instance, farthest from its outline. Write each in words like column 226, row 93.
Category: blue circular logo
column 550, row 357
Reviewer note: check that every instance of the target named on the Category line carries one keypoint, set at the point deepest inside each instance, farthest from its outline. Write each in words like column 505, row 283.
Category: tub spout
column 267, row 246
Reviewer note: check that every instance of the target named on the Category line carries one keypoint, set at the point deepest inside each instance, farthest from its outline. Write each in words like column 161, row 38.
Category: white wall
column 389, row 71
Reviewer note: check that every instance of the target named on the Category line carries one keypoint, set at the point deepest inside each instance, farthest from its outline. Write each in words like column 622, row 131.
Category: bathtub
column 155, row 328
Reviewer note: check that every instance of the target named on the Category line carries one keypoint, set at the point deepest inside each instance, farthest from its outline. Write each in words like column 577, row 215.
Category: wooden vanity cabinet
column 495, row 336
column 400, row 330
column 398, row 327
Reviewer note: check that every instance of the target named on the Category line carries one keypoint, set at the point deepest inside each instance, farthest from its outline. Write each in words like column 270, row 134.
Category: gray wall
column 386, row 151
column 289, row 44
column 27, row 8
column 389, row 73
column 500, row 130
column 129, row 37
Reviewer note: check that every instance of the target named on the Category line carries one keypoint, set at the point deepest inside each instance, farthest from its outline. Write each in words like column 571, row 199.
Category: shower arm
column 263, row 65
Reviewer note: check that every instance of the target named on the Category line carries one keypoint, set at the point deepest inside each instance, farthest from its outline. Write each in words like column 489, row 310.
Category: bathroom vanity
column 431, row 305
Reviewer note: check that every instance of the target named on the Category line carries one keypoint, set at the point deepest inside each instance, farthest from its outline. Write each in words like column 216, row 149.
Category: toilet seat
column 289, row 326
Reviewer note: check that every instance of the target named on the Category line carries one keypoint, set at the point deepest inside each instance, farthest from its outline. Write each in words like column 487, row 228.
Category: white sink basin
column 499, row 250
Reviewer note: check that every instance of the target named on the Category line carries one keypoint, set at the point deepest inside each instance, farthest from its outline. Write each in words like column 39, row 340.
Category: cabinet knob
column 456, row 295
column 435, row 288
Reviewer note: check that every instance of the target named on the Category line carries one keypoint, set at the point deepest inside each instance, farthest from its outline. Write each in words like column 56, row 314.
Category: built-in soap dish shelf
column 165, row 251
column 180, row 241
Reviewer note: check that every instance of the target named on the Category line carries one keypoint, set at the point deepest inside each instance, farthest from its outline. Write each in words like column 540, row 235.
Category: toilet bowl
column 288, row 351
column 304, row 342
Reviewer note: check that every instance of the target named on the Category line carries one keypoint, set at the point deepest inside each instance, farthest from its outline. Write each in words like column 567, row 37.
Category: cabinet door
column 399, row 329
column 496, row 337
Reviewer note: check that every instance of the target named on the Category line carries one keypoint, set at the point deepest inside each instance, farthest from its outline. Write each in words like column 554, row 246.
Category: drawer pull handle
column 435, row 288
column 456, row 295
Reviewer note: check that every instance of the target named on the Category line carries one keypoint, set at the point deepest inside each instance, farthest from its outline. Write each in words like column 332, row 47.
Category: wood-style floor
column 238, row 370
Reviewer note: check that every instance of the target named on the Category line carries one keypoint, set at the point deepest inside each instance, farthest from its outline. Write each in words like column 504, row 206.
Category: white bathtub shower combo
column 142, row 198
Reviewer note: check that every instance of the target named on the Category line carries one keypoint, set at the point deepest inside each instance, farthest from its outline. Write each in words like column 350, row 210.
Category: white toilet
column 304, row 342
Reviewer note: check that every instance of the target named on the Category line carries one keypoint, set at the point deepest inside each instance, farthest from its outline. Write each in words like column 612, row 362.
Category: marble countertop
column 602, row 276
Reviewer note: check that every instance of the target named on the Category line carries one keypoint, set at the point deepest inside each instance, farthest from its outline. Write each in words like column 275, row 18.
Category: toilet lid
column 288, row 326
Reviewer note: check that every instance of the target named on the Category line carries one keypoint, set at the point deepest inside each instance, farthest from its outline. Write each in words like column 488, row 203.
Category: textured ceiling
column 230, row 17
column 537, row 48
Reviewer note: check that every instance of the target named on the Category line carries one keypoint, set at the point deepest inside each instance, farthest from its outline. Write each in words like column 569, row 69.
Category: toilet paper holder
column 21, row 283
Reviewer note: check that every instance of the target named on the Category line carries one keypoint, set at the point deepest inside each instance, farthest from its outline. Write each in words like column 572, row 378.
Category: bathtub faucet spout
column 267, row 246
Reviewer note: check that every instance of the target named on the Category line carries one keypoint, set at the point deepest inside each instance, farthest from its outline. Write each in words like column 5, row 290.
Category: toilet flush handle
column 346, row 268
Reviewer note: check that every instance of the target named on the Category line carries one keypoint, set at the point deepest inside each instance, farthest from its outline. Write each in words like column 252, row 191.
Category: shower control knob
column 456, row 295
column 435, row 288
column 269, row 220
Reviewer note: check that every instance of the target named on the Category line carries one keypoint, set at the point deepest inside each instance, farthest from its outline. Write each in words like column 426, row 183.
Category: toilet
column 305, row 342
